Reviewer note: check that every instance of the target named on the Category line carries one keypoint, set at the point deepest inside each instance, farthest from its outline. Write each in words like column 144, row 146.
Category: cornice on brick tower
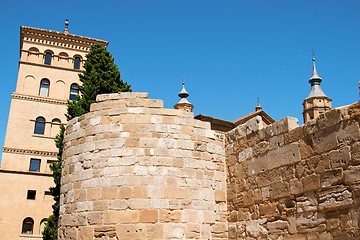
column 57, row 39
column 317, row 102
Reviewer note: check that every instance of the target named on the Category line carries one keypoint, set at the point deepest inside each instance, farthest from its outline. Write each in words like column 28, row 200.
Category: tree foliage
column 101, row 75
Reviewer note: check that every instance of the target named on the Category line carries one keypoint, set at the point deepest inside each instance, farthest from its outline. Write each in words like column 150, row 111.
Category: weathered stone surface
column 336, row 197
column 352, row 175
column 279, row 190
column 254, row 229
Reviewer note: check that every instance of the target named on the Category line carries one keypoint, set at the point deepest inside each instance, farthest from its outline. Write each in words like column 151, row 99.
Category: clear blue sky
column 231, row 52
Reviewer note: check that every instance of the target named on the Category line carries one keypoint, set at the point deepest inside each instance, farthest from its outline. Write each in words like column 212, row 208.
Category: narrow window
column 74, row 91
column 31, row 194
column 34, row 165
column 48, row 57
column 39, row 125
column 27, row 227
column 44, row 88
column 77, row 63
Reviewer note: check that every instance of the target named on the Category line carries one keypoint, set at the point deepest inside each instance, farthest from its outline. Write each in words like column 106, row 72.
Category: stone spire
column 317, row 102
column 184, row 104
column 66, row 31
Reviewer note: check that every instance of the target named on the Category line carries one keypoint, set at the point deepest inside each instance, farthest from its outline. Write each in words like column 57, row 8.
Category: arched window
column 48, row 57
column 44, row 88
column 77, row 63
column 39, row 125
column 27, row 226
column 42, row 225
column 55, row 127
column 74, row 91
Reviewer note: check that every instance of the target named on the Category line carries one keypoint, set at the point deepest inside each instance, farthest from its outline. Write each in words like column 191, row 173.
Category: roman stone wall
column 134, row 170
column 291, row 182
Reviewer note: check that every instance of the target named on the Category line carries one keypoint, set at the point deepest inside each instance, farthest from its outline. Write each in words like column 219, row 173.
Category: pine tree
column 101, row 75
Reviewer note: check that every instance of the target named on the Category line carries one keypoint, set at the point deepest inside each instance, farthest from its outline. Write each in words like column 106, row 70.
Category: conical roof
column 315, row 81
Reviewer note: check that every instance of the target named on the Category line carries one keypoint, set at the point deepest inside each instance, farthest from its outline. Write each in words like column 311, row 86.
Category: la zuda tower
column 50, row 62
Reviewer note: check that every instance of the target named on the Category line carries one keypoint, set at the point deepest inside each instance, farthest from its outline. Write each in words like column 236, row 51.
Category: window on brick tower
column 31, row 194
column 74, row 91
column 27, row 226
column 34, row 165
column 44, row 88
column 48, row 57
column 77, row 63
column 39, row 126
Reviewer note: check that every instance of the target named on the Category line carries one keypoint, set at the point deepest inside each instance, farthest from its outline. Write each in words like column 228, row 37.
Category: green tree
column 101, row 75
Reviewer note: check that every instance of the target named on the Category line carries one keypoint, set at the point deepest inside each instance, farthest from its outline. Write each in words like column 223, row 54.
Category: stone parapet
column 134, row 170
column 295, row 182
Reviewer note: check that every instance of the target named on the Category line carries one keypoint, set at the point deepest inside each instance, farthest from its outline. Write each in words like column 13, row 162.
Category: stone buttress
column 134, row 170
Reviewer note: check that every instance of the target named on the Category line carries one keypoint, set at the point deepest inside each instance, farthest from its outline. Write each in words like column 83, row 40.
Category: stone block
column 174, row 231
column 296, row 186
column 331, row 177
column 123, row 216
column 269, row 210
column 93, row 194
column 277, row 225
column 138, row 203
column 149, row 216
column 254, row 229
column 352, row 175
column 118, row 204
column 325, row 140
column 293, row 135
column 284, row 125
column 155, row 231
column 348, row 133
column 139, row 192
column 176, row 192
column 257, row 165
column 84, row 206
column 279, row 190
column 94, row 218
column 131, row 231
column 335, row 198
column 192, row 231
column 339, row 157
column 170, row 215
column 329, row 118
column 283, row 156
column 220, row 196
column 109, row 192
column 311, row 182
column 86, row 233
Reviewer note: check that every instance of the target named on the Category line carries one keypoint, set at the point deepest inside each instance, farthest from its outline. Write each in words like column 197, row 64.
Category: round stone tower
column 134, row 170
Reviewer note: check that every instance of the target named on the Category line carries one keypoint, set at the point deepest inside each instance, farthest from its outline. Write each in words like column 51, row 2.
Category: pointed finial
column 258, row 107
column 314, row 73
column 184, row 104
column 66, row 26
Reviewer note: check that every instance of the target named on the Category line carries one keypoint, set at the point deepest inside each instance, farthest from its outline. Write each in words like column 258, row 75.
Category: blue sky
column 231, row 52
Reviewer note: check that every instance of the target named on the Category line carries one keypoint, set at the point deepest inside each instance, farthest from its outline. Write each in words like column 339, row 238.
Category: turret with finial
column 184, row 104
column 317, row 102
column 258, row 107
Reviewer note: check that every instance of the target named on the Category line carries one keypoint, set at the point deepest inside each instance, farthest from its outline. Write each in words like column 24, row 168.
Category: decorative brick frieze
column 29, row 152
column 37, row 99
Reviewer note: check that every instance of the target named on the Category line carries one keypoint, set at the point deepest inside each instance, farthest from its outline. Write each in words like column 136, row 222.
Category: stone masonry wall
column 290, row 182
column 134, row 170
